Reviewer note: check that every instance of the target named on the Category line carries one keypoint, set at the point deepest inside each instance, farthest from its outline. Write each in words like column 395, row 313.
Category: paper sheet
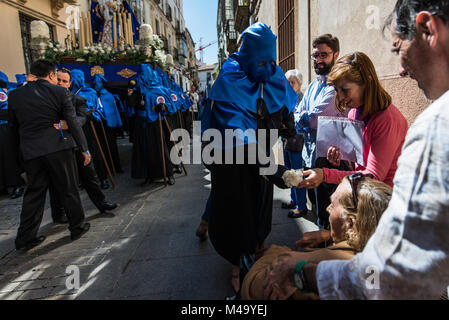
column 343, row 133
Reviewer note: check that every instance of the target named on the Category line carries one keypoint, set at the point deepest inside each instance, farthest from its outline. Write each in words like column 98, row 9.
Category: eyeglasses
column 354, row 180
column 322, row 55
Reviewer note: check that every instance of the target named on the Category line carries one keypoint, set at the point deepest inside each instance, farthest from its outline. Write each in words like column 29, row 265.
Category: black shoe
column 61, row 220
column 107, row 206
column 32, row 243
column 171, row 181
column 294, row 215
column 17, row 192
column 289, row 205
column 178, row 170
column 75, row 235
column 105, row 184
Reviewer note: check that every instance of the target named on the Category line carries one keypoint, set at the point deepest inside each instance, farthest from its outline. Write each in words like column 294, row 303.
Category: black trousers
column 89, row 180
column 56, row 169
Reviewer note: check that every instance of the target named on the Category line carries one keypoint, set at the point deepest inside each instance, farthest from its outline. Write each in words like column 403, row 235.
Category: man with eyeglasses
column 88, row 175
column 318, row 101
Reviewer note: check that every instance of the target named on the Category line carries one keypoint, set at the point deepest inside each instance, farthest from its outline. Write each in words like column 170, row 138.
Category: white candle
column 131, row 31
column 114, row 28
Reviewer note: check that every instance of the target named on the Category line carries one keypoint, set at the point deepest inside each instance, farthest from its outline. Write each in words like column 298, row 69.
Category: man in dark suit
column 88, row 175
column 47, row 153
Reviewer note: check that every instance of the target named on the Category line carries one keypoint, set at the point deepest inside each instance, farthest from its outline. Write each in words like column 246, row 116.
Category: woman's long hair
column 373, row 197
column 358, row 68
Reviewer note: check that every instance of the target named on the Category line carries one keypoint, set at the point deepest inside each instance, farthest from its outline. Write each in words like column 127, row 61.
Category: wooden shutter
column 286, row 31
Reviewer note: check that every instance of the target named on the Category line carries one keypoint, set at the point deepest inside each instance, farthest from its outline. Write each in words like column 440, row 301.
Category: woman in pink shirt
column 358, row 89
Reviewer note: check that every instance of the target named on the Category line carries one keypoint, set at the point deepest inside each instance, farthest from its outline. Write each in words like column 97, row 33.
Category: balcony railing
column 241, row 14
column 180, row 34
column 168, row 14
column 232, row 35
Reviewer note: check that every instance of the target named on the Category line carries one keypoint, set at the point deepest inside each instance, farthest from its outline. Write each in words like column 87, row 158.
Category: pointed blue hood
column 257, row 55
column 241, row 77
column 246, row 76
column 79, row 87
column 107, row 106
column 150, row 85
column 77, row 80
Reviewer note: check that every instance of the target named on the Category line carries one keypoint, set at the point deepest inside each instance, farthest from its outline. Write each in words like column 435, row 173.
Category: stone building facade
column 165, row 17
column 167, row 20
column 16, row 16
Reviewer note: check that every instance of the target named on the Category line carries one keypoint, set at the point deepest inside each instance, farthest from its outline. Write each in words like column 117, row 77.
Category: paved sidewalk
column 145, row 249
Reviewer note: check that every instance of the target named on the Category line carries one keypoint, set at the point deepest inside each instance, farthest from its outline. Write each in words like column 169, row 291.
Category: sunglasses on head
column 354, row 180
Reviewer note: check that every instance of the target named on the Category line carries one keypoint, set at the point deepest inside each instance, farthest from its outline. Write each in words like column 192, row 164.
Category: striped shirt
column 408, row 255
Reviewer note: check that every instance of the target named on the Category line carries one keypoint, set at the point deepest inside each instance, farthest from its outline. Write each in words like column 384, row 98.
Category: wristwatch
column 299, row 278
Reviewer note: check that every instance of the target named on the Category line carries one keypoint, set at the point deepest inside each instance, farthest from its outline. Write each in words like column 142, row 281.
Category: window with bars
column 286, row 30
column 25, row 31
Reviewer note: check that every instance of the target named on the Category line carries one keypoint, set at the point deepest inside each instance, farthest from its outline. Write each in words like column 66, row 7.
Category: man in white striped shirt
column 408, row 255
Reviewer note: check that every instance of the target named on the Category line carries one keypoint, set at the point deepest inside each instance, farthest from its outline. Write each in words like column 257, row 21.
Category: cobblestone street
column 145, row 249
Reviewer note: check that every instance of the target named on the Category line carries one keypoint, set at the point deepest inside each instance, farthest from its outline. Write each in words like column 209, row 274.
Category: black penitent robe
column 242, row 201
column 146, row 153
column 10, row 168
column 241, row 210
column 187, row 121
column 111, row 136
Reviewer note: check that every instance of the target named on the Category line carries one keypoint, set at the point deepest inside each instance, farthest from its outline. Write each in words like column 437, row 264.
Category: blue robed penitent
column 246, row 76
column 79, row 87
column 107, row 105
